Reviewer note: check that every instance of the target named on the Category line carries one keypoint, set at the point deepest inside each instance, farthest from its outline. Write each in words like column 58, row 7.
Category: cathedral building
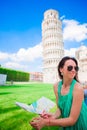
column 81, row 55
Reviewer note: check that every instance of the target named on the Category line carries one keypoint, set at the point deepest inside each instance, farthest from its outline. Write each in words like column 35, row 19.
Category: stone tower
column 52, row 43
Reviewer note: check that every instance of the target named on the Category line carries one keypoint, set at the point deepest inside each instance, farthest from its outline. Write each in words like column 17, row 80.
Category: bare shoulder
column 55, row 87
column 78, row 89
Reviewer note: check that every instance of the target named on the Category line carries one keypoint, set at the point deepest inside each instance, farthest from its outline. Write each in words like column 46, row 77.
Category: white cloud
column 27, row 55
column 15, row 65
column 23, row 54
column 4, row 56
column 70, row 52
column 22, row 59
column 74, row 31
column 62, row 17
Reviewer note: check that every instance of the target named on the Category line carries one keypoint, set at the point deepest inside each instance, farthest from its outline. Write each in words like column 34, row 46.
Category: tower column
column 53, row 47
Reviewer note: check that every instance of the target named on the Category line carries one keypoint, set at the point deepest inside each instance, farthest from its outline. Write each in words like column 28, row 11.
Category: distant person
column 85, row 93
column 72, row 110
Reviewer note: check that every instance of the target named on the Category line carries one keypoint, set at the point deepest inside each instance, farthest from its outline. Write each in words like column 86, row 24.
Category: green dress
column 65, row 103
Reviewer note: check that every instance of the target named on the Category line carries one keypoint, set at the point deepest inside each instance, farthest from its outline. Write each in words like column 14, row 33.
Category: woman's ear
column 61, row 70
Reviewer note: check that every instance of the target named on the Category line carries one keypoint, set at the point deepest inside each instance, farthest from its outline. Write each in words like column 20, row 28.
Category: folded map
column 42, row 104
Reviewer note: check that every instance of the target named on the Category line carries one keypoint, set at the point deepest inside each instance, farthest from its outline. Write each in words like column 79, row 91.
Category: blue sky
column 20, row 30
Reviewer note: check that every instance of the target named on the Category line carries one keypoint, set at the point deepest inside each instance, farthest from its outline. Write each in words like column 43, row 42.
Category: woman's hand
column 38, row 123
column 47, row 115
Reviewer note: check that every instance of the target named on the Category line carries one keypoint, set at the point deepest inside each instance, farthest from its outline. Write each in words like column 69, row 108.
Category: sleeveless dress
column 65, row 103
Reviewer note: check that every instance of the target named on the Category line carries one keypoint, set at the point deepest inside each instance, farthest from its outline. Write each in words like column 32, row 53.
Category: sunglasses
column 70, row 68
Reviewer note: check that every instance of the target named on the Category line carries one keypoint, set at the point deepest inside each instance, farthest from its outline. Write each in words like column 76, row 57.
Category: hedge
column 14, row 75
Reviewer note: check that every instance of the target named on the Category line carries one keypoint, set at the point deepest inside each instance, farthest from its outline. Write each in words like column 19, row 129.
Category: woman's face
column 69, row 69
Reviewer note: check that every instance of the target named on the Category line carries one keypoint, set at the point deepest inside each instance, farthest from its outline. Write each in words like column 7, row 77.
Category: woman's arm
column 58, row 112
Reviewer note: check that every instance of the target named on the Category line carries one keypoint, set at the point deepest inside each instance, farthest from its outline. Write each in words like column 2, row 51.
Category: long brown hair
column 62, row 63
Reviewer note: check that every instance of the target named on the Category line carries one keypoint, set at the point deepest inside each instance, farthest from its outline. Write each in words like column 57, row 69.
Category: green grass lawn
column 13, row 117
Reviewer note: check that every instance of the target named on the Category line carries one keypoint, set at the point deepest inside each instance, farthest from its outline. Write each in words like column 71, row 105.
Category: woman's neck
column 66, row 83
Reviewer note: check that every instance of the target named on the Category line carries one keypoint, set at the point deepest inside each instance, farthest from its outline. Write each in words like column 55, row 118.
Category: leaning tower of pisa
column 53, row 47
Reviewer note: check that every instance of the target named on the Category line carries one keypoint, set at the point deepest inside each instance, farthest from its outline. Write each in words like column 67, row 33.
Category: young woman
column 72, row 110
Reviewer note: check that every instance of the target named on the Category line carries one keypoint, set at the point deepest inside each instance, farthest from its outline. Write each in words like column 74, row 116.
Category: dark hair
column 62, row 63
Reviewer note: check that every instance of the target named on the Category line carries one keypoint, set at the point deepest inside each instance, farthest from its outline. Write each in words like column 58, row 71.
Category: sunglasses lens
column 76, row 68
column 69, row 68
